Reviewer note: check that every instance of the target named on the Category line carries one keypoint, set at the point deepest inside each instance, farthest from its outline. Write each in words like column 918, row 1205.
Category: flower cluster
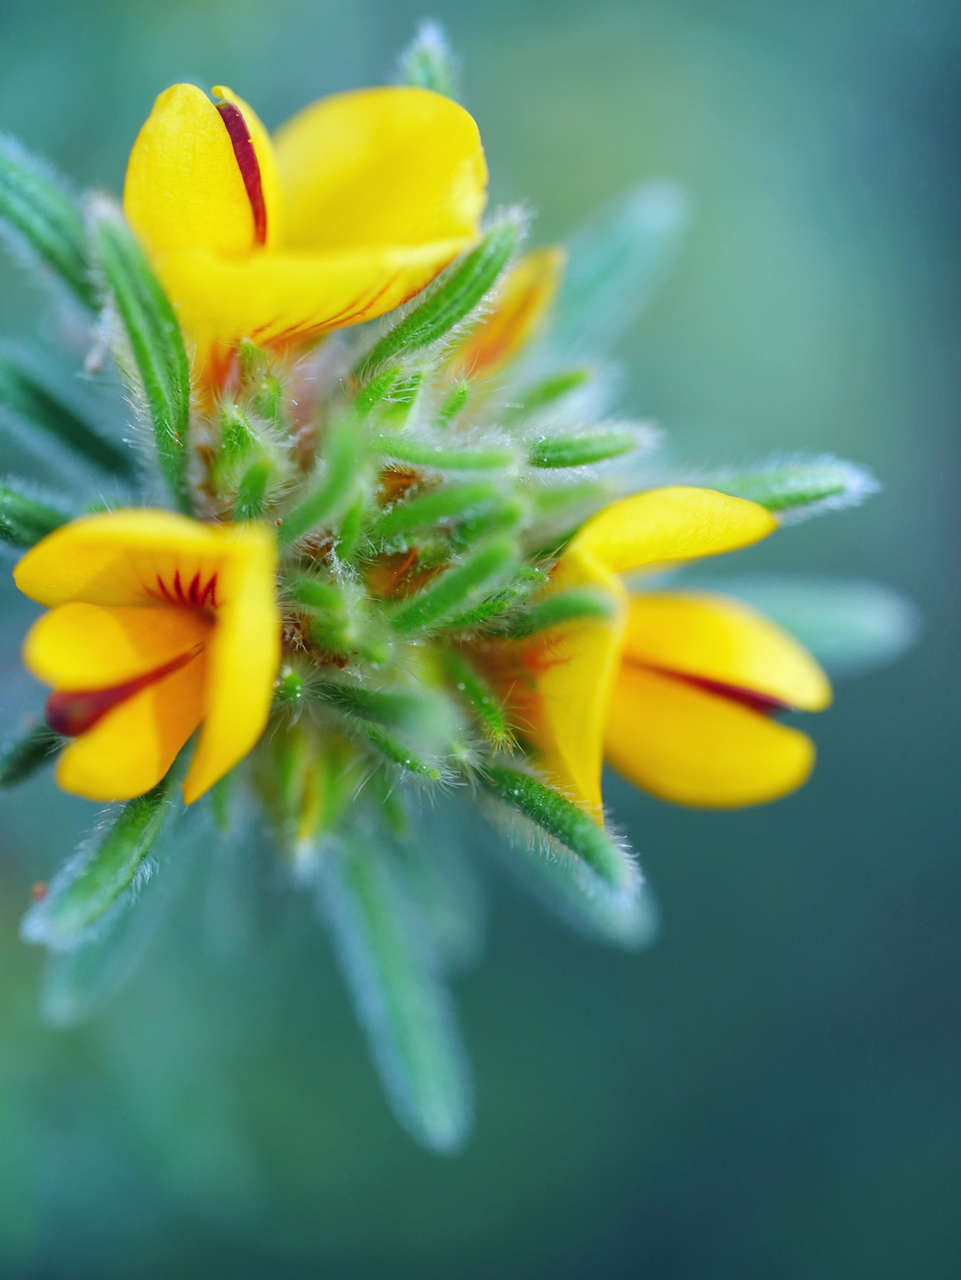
column 370, row 541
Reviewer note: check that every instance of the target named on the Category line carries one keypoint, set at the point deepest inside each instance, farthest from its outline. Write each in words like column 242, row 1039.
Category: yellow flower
column 676, row 688
column 156, row 623
column 519, row 312
column 356, row 204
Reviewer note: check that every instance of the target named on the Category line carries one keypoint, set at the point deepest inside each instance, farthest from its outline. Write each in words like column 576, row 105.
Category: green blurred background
column 773, row 1089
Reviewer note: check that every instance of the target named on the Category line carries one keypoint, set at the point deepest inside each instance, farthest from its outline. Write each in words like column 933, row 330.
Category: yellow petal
column 266, row 163
column 381, row 168
column 184, row 187
column 243, row 657
column 718, row 639
column 518, row 313
column 276, row 297
column 86, row 646
column 666, row 526
column 116, row 558
column 695, row 748
column 132, row 747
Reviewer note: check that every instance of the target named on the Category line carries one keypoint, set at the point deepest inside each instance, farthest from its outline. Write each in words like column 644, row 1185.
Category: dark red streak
column 763, row 703
column 74, row 711
column 247, row 164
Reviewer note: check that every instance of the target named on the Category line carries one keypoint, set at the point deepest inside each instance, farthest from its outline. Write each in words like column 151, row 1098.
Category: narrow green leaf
column 504, row 516
column 452, row 405
column 428, row 509
column 567, row 606
column 850, row 626
column 401, row 1003
column 26, row 516
column 24, row 753
column 615, row 265
column 452, row 298
column 38, row 213
column 797, row 488
column 404, row 449
column 428, row 63
column 82, row 893
column 79, row 982
column 336, row 488
column 572, row 893
column 478, row 695
column 582, row 450
column 376, row 390
column 528, row 579
column 156, row 343
column 251, row 495
column 546, row 393
column 460, row 587
column 560, row 820
column 399, row 752
column 441, row 880
column 42, row 412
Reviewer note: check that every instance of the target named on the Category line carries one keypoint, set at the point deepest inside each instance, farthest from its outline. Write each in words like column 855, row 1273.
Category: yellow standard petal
column 518, row 314
column 694, row 748
column 668, row 526
column 381, row 168
column 717, row 639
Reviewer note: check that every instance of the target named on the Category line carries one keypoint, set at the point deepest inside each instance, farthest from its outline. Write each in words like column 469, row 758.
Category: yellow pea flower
column 676, row 688
column 518, row 313
column 354, row 206
column 156, row 624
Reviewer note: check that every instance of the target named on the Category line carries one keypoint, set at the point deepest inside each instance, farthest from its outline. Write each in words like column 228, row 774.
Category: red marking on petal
column 248, row 165
column 74, row 711
column 210, row 590
column 762, row 703
column 164, row 590
column 193, row 591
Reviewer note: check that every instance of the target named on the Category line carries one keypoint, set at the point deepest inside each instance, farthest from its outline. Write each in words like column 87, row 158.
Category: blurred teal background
column 773, row 1089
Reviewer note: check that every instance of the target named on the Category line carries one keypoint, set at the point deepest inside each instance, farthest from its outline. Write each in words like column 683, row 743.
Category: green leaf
column 546, row 393
column 452, row 404
column 38, row 213
column 431, row 508
column 401, row 1003
column 603, row 858
column 566, row 606
column 849, row 625
column 583, row 450
column 797, row 488
column 100, row 874
column 563, row 887
column 458, row 588
column 252, row 491
column 428, row 63
column 478, row 695
column 616, row 264
column 420, row 453
column 40, row 411
column 26, row 515
column 24, row 753
column 456, row 293
column 79, row 982
column 336, row 488
column 440, row 879
column 162, row 369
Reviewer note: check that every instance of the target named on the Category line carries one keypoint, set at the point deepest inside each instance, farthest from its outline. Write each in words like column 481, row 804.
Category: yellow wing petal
column 518, row 313
column 665, row 526
column 184, row 188
column 277, row 297
column 695, row 748
column 381, row 167
column 132, row 747
column 116, row 558
column 719, row 639
column 244, row 654
column 87, row 646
